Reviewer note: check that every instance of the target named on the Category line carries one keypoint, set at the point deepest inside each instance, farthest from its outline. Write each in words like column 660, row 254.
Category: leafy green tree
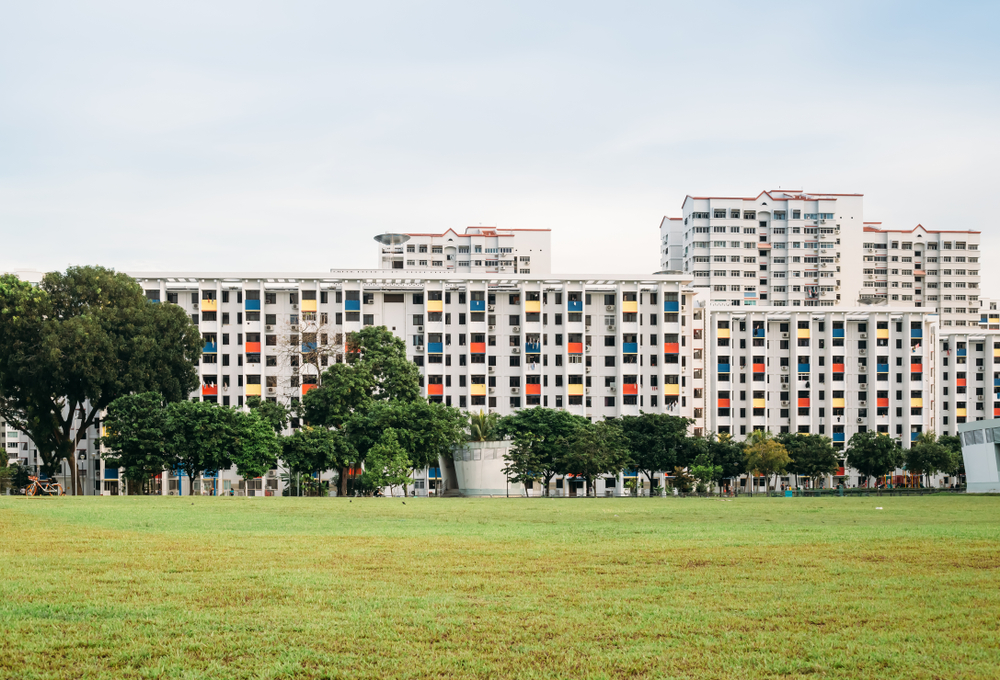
column 314, row 450
column 524, row 464
column 705, row 471
column 199, row 436
column 14, row 476
column 682, row 480
column 376, row 372
column 927, row 456
column 77, row 342
column 254, row 446
column 426, row 431
column 954, row 446
column 274, row 413
column 596, row 449
column 812, row 455
column 483, row 426
column 727, row 453
column 386, row 463
column 136, row 434
column 552, row 431
column 657, row 442
column 765, row 455
column 873, row 454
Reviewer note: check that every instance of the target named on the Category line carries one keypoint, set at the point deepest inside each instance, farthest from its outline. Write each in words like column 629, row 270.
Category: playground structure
column 44, row 487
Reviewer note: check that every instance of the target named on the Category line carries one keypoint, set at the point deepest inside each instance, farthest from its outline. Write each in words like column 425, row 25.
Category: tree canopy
column 928, row 456
column 873, row 454
column 812, row 455
column 77, row 342
column 765, row 455
column 658, row 441
column 542, row 439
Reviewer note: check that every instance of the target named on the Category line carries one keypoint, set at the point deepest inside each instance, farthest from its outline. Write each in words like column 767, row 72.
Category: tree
column 552, row 434
column 199, row 436
column 136, row 427
column 386, row 464
column 524, row 465
column 954, row 446
column 483, row 426
column 314, row 450
column 812, row 455
column 927, row 456
column 682, row 480
column 14, row 476
column 765, row 455
column 705, row 471
column 873, row 454
column 77, row 342
column 377, row 371
column 255, row 446
column 271, row 411
column 727, row 453
column 596, row 449
column 657, row 442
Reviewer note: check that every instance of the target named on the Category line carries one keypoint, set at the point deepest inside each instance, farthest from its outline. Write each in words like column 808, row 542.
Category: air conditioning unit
column 611, row 388
column 610, row 308
column 295, row 370
column 515, row 390
column 270, row 328
column 861, row 420
column 862, row 404
column 270, row 390
column 295, row 306
column 784, row 404
column 420, row 329
column 784, row 369
column 492, row 328
column 293, row 328
column 587, row 328
column 587, row 349
column 515, row 350
column 862, row 352
column 587, row 390
column 611, row 328
column 515, row 329
column 784, row 336
column 418, row 349
column 493, row 390
column 980, row 397
column 171, row 493
column 370, row 302
column 588, row 369
column 491, row 308
column 493, row 369
column 863, row 336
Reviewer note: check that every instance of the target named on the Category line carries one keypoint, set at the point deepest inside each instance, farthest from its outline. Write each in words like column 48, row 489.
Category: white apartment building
column 598, row 346
column 482, row 250
column 782, row 248
column 968, row 384
column 937, row 270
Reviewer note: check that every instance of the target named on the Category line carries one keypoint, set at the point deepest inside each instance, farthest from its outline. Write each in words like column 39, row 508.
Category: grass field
column 316, row 588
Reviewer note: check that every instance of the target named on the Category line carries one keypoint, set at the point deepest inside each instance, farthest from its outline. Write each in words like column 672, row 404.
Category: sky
column 266, row 136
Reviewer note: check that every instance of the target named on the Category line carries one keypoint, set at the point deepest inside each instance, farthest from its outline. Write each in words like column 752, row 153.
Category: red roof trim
column 919, row 226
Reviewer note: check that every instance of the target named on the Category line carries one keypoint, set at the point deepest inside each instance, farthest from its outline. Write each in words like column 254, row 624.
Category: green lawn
column 304, row 588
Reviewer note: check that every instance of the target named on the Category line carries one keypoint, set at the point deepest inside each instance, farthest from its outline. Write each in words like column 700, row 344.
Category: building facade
column 480, row 250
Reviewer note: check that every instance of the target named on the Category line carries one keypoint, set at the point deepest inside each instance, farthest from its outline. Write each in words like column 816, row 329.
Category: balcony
column 839, row 437
column 532, row 306
column 803, row 402
column 723, row 368
column 308, row 386
column 838, row 333
column 435, row 347
column 435, row 390
column 671, row 348
column 671, row 306
column 723, row 403
column 630, row 388
column 575, row 306
column 759, row 368
column 352, row 305
column 252, row 305
column 477, row 348
column 758, row 332
column 630, row 307
column 252, row 348
column 881, row 368
column 838, row 368
column 532, row 347
column 308, row 347
column 916, row 333
column 533, row 388
column 630, row 348
column 210, row 348
column 477, row 305
column 961, row 352
column 210, row 390
column 209, row 305
column 575, row 348
column 803, row 368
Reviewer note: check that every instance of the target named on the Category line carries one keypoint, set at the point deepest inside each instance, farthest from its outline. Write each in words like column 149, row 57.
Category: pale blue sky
column 283, row 136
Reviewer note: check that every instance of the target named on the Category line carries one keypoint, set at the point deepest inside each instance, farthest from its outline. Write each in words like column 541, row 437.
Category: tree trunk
column 343, row 481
